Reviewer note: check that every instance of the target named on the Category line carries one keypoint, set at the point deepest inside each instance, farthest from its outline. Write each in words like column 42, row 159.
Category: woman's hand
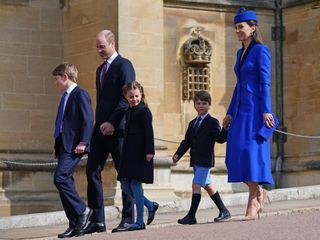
column 268, row 120
column 226, row 121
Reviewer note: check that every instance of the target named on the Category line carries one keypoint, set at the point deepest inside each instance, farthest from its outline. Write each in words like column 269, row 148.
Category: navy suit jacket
column 201, row 142
column 111, row 104
column 77, row 120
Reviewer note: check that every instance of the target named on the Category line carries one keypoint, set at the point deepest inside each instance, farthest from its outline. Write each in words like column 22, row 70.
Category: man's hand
column 107, row 128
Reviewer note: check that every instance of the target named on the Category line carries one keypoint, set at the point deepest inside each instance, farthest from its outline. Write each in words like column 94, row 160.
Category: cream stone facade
column 36, row 35
column 302, row 94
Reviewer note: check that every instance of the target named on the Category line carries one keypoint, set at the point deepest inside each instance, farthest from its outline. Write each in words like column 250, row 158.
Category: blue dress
column 248, row 155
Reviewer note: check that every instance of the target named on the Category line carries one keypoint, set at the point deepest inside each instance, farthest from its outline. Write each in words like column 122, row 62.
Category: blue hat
column 243, row 16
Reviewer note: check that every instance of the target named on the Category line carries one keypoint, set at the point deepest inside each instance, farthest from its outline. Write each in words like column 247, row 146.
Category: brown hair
column 133, row 86
column 257, row 37
column 66, row 68
column 202, row 96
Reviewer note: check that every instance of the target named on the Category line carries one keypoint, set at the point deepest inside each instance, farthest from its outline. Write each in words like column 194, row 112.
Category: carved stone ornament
column 197, row 53
column 197, row 50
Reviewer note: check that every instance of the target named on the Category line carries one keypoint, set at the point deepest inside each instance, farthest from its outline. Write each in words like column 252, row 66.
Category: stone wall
column 31, row 45
column 141, row 40
column 302, row 93
column 82, row 20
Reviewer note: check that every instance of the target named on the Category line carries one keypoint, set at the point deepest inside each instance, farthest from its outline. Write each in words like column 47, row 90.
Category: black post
column 278, row 35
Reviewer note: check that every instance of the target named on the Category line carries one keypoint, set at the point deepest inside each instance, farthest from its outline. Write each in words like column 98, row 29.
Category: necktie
column 197, row 123
column 103, row 73
column 60, row 116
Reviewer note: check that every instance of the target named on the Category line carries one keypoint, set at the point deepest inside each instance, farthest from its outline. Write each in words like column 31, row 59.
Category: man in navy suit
column 111, row 76
column 72, row 139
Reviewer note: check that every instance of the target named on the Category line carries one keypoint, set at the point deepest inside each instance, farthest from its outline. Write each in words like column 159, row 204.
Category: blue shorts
column 202, row 176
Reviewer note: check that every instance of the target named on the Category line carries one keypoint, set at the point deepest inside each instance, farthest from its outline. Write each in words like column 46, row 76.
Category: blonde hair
column 133, row 86
column 66, row 68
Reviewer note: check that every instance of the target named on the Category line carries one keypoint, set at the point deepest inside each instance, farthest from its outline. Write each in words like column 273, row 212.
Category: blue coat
column 248, row 155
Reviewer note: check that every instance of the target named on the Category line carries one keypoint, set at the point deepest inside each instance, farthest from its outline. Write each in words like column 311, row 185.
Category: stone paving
column 170, row 219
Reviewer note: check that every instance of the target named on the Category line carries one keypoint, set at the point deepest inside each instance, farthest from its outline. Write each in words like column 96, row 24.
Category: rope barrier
column 13, row 164
column 276, row 130
column 164, row 140
column 297, row 135
column 25, row 163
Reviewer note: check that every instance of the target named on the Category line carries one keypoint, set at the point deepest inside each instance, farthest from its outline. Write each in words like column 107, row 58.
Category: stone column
column 141, row 40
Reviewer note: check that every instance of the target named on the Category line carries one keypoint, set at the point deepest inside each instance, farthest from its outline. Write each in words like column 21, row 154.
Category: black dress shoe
column 130, row 227
column 70, row 232
column 121, row 227
column 83, row 219
column 136, row 227
column 152, row 213
column 223, row 216
column 187, row 220
column 94, row 227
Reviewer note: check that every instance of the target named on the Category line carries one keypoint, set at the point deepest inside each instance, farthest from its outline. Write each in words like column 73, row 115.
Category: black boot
column 224, row 214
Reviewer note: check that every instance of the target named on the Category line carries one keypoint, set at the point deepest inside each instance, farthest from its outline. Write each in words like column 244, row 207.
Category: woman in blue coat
column 248, row 154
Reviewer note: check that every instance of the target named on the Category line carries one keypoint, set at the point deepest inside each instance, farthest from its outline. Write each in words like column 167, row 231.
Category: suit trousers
column 64, row 182
column 101, row 147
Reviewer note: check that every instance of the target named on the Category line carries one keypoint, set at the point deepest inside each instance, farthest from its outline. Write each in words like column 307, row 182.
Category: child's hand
column 175, row 158
column 80, row 148
column 107, row 128
column 149, row 157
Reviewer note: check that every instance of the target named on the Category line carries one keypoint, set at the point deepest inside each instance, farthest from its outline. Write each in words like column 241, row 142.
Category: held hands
column 175, row 158
column 80, row 148
column 226, row 121
column 268, row 120
column 149, row 157
column 107, row 128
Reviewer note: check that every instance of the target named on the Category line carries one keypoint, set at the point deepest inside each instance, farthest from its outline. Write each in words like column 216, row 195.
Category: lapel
column 202, row 125
column 240, row 61
column 70, row 99
column 98, row 86
column 111, row 69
